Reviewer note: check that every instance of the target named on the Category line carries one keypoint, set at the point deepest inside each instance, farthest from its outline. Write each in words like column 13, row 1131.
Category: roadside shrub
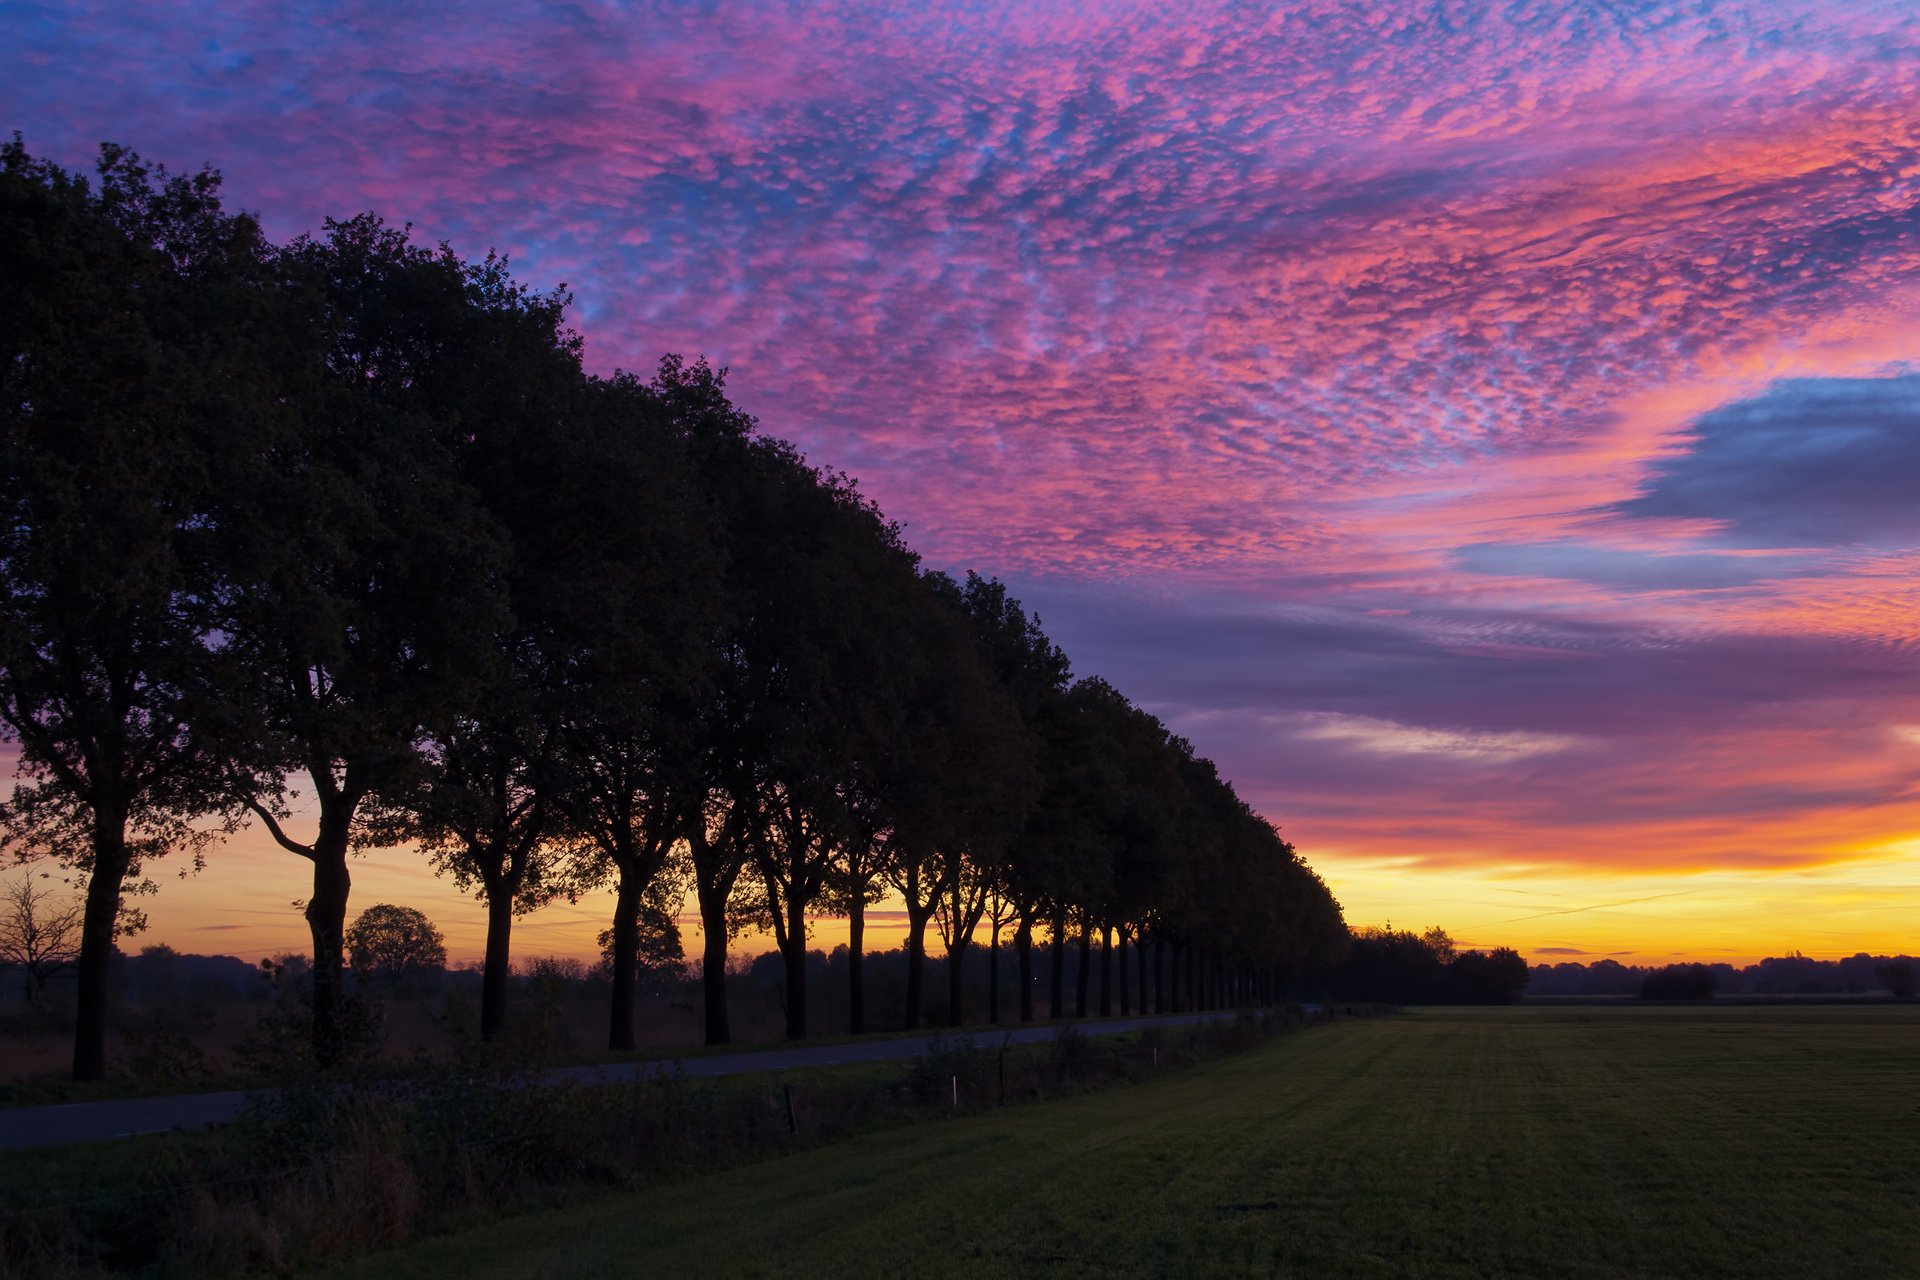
column 281, row 1041
column 163, row 1052
column 1070, row 1043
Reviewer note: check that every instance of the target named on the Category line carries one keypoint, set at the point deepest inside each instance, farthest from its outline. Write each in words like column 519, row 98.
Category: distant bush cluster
column 342, row 526
column 1403, row 967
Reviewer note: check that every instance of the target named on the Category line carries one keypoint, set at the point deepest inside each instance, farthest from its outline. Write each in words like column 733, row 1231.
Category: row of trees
column 341, row 529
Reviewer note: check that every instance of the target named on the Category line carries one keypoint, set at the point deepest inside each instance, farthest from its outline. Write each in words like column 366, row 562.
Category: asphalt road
column 68, row 1124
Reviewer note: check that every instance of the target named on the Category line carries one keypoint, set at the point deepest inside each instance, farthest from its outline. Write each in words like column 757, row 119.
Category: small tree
column 392, row 942
column 39, row 932
column 659, row 951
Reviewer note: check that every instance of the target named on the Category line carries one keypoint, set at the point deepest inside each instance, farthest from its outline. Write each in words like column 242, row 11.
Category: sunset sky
column 1490, row 431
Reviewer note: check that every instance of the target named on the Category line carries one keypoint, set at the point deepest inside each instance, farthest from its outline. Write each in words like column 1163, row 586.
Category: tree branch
column 273, row 826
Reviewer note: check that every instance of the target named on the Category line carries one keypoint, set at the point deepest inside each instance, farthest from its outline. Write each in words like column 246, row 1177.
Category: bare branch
column 273, row 827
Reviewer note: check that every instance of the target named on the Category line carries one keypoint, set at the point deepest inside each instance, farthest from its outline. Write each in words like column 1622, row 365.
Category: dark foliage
column 1679, row 982
column 1402, row 967
column 342, row 527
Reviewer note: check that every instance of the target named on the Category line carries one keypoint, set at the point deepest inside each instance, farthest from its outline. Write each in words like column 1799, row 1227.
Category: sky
column 1489, row 430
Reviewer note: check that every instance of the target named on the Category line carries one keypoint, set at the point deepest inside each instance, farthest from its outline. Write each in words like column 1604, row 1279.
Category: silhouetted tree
column 1491, row 977
column 489, row 804
column 39, row 931
column 819, row 627
column 125, row 378
column 363, row 579
column 388, row 943
column 658, row 949
column 1008, row 673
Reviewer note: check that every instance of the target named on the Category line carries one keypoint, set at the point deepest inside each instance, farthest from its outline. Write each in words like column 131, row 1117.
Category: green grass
column 1530, row 1142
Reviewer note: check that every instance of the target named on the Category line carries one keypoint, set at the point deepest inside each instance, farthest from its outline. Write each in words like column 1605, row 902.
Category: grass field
column 1533, row 1142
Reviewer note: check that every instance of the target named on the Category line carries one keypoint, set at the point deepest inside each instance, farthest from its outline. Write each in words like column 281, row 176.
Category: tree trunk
column 1023, row 948
column 1056, row 981
column 713, row 960
column 795, row 954
column 495, row 967
column 856, row 975
column 327, row 925
column 1106, row 971
column 956, row 983
column 993, row 975
column 97, row 923
column 1126, row 1002
column 626, row 958
column 1084, row 973
column 1140, row 959
column 916, row 964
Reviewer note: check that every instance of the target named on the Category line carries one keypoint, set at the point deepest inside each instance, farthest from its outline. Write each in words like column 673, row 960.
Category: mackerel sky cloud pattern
column 1487, row 429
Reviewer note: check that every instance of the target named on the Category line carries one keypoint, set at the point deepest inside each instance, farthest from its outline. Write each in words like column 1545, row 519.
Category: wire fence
column 327, row 1169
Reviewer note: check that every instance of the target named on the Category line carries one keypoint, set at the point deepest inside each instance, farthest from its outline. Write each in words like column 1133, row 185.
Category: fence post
column 954, row 1080
column 792, row 1126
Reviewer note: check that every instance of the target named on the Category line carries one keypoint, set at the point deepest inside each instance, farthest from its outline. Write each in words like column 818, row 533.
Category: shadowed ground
column 66, row 1124
column 1547, row 1142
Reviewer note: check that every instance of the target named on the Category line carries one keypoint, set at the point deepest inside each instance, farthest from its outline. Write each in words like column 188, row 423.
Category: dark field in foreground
column 1546, row 1142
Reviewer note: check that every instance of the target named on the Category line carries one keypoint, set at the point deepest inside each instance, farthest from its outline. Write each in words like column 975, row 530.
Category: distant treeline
column 342, row 528
column 1793, row 974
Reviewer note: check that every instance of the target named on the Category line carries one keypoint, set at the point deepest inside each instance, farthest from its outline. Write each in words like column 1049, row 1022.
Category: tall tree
column 661, row 720
column 363, row 578
column 127, row 312
column 823, row 615
column 488, row 807
column 1022, row 674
